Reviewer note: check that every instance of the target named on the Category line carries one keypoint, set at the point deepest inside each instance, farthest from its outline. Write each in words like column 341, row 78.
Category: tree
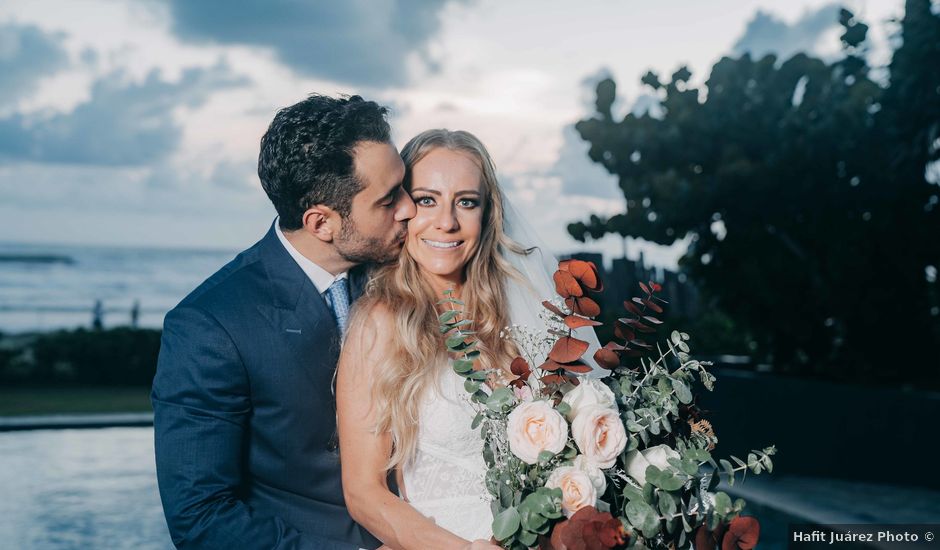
column 801, row 187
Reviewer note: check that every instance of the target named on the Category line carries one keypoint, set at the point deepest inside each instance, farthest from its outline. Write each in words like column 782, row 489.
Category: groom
column 244, row 416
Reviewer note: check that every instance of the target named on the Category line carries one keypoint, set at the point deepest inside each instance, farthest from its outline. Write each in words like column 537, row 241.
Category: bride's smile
column 443, row 236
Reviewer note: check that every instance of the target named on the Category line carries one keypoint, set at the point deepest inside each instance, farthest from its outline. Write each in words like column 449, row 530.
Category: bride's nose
column 446, row 219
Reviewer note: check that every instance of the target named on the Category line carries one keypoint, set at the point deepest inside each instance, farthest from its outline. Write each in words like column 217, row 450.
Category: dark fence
column 827, row 429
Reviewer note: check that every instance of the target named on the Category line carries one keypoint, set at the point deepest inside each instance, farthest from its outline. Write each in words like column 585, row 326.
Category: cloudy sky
column 137, row 122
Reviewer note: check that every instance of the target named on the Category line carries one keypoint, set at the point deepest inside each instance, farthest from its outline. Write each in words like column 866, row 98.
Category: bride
column 400, row 406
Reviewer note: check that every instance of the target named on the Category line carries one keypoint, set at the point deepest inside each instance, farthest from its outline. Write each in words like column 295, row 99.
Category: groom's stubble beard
column 357, row 249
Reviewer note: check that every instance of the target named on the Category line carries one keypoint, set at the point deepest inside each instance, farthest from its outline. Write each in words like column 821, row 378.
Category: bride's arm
column 364, row 453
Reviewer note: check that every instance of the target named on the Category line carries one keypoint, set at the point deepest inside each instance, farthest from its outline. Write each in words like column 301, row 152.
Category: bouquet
column 623, row 461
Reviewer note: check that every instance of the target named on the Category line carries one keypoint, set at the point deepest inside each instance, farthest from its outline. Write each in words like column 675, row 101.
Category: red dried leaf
column 585, row 272
column 653, row 305
column 583, row 306
column 622, row 331
column 573, row 321
column 640, row 326
column 707, row 540
column 550, row 365
column 578, row 368
column 588, row 529
column 553, row 379
column 632, row 308
column 566, row 285
column 645, row 288
column 551, row 307
column 607, row 358
column 640, row 344
column 655, row 286
column 742, row 534
column 520, row 368
column 567, row 350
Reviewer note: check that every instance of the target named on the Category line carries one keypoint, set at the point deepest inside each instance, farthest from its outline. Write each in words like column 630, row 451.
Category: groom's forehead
column 378, row 166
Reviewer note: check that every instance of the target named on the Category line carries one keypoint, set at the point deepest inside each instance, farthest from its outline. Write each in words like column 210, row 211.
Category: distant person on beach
column 97, row 316
column 244, row 413
column 135, row 314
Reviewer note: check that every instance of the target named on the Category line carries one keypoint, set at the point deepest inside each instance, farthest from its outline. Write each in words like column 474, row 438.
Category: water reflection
column 65, row 489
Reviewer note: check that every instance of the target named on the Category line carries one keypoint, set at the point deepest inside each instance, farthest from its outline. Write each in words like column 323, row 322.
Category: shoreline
column 75, row 421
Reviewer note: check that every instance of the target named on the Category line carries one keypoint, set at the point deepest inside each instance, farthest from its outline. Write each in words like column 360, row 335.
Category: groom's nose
column 405, row 210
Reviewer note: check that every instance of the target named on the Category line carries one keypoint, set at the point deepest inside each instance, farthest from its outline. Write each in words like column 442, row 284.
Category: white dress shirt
column 321, row 278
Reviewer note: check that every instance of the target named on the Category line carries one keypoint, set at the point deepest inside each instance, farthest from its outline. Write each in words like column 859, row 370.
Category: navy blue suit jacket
column 244, row 415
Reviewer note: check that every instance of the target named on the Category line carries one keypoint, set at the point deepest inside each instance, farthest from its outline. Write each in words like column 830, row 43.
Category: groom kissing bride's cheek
column 303, row 395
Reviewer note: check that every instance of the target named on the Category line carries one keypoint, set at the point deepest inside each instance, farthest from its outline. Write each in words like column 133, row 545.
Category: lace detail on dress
column 445, row 481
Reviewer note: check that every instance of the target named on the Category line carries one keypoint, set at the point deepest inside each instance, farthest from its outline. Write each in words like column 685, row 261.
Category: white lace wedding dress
column 445, row 481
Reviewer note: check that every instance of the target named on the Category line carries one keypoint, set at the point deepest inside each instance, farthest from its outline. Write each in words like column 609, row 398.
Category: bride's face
column 446, row 189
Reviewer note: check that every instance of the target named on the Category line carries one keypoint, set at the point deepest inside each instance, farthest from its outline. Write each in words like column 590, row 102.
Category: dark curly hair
column 307, row 154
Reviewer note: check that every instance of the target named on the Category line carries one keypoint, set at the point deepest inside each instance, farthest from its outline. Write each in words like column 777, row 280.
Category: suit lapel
column 297, row 311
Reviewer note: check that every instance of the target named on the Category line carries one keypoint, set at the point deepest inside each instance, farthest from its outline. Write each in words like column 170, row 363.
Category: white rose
column 533, row 427
column 598, row 479
column 577, row 490
column 589, row 392
column 599, row 434
column 637, row 461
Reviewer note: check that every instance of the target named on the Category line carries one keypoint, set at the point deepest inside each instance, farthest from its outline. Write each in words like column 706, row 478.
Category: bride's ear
column 322, row 222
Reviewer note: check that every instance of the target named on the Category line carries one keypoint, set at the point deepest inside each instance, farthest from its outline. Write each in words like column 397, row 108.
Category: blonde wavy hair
column 414, row 361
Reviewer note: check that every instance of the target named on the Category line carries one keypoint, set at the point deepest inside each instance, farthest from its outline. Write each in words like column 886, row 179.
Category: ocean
column 47, row 287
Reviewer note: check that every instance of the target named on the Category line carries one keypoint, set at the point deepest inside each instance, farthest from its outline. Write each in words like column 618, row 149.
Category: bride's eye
column 424, row 201
column 468, row 203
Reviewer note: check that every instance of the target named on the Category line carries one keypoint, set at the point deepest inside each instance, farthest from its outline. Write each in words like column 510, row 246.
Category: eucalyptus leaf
column 667, row 504
column 506, row 524
column 632, row 493
column 462, row 366
column 729, row 470
column 533, row 521
column 722, row 503
column 689, row 467
column 545, row 456
column 642, row 516
column 670, row 482
column 528, row 538
column 682, row 391
column 505, row 492
column 448, row 316
column 453, row 342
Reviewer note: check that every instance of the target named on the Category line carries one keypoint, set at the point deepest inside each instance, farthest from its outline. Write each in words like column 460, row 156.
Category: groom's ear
column 322, row 222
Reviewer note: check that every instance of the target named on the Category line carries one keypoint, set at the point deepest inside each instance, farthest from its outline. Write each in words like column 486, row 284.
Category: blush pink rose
column 577, row 489
column 533, row 427
column 600, row 435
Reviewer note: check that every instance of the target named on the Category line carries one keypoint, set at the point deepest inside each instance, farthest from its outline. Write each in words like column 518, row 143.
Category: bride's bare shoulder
column 370, row 326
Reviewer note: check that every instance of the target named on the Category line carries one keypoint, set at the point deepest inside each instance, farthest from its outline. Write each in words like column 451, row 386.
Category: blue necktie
column 339, row 300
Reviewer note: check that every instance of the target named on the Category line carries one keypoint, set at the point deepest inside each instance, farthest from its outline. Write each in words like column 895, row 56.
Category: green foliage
column 817, row 175
column 114, row 357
